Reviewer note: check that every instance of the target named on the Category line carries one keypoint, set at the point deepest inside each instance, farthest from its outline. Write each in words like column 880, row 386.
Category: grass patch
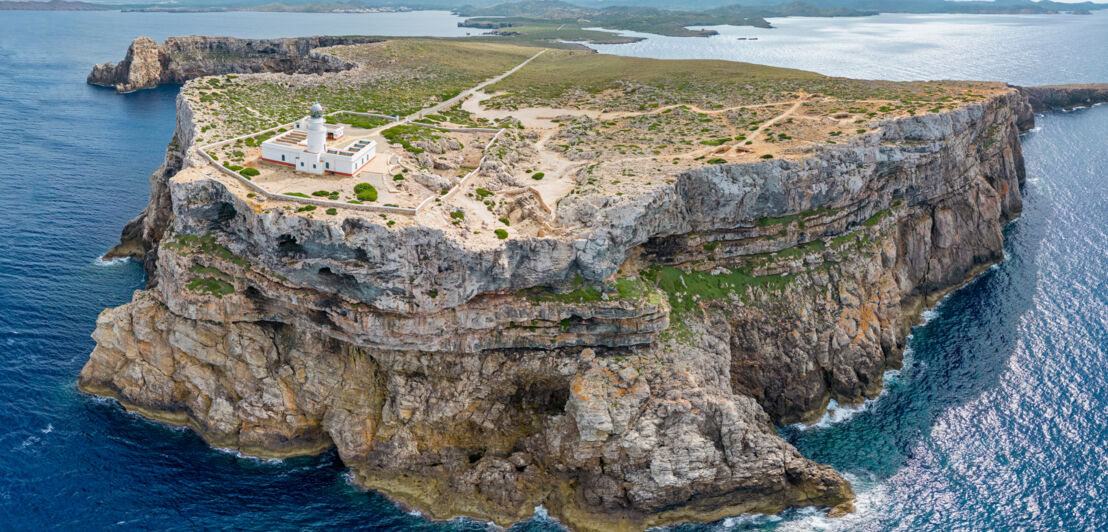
column 210, row 286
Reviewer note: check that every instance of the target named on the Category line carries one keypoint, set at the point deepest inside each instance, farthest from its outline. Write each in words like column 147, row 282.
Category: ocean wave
column 837, row 414
column 101, row 261
column 871, row 498
column 251, row 458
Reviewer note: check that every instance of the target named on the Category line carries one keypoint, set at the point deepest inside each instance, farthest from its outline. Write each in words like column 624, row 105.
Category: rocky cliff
column 1053, row 97
column 625, row 376
column 180, row 59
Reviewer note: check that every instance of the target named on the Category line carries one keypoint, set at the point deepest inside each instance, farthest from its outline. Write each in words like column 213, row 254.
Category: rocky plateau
column 582, row 371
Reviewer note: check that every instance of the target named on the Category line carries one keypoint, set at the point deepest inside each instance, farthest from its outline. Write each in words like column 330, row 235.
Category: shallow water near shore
column 997, row 421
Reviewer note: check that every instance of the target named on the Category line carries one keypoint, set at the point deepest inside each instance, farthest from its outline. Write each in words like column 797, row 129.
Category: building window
column 327, row 165
column 313, row 166
column 282, row 157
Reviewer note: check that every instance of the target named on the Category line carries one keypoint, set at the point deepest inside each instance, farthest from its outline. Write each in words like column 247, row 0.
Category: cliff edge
column 638, row 279
column 179, row 59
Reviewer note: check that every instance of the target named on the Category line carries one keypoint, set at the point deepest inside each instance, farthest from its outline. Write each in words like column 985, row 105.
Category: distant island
column 665, row 17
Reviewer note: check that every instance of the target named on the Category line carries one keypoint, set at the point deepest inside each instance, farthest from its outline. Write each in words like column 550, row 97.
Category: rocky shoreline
column 468, row 380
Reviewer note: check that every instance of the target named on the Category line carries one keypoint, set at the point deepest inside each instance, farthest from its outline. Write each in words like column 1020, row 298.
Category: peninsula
column 586, row 282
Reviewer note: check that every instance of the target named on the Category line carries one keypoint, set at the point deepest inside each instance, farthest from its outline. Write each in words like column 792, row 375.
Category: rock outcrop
column 486, row 381
column 180, row 59
column 1058, row 97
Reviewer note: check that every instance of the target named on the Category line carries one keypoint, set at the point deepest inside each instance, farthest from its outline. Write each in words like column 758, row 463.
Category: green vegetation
column 687, row 289
column 332, row 211
column 538, row 175
column 716, row 160
column 403, row 75
column 501, row 234
column 364, row 122
column 405, row 135
column 306, row 208
column 207, row 245
column 877, row 217
column 458, row 215
column 365, row 192
column 210, row 286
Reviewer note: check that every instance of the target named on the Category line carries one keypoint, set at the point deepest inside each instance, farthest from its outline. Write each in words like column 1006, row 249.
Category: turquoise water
column 996, row 422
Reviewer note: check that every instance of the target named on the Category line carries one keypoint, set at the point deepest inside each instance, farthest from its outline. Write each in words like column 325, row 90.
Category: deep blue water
column 997, row 421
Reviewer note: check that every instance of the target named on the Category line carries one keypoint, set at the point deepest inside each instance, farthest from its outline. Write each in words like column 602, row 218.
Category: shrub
column 249, row 172
column 505, row 221
column 332, row 210
column 501, row 234
column 306, row 208
column 767, row 156
column 716, row 160
column 483, row 193
column 397, row 177
column 297, row 194
column 365, row 192
column 321, row 193
column 459, row 215
column 537, row 175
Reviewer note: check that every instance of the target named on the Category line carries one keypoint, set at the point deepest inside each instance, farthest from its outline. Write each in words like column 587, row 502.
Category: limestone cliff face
column 1052, row 97
column 444, row 380
column 180, row 59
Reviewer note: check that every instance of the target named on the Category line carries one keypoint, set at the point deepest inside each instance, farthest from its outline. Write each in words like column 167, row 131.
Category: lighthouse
column 317, row 132
column 305, row 147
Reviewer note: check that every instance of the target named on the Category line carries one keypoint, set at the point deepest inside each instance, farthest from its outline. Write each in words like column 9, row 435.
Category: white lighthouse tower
column 305, row 147
column 317, row 132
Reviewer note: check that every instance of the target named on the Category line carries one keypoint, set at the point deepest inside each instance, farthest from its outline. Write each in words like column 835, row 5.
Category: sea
column 997, row 421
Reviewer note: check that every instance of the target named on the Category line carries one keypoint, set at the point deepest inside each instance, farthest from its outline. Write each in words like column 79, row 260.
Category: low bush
column 249, row 172
column 767, row 156
column 459, row 215
column 538, row 175
column 365, row 192
column 332, row 210
column 306, row 208
column 716, row 160
column 501, row 234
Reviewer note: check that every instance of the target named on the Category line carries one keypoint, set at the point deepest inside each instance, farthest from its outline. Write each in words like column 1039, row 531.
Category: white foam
column 871, row 498
column 838, row 414
column 100, row 261
column 49, row 428
column 243, row 456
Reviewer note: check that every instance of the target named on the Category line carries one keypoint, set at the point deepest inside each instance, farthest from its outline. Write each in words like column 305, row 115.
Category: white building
column 305, row 148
